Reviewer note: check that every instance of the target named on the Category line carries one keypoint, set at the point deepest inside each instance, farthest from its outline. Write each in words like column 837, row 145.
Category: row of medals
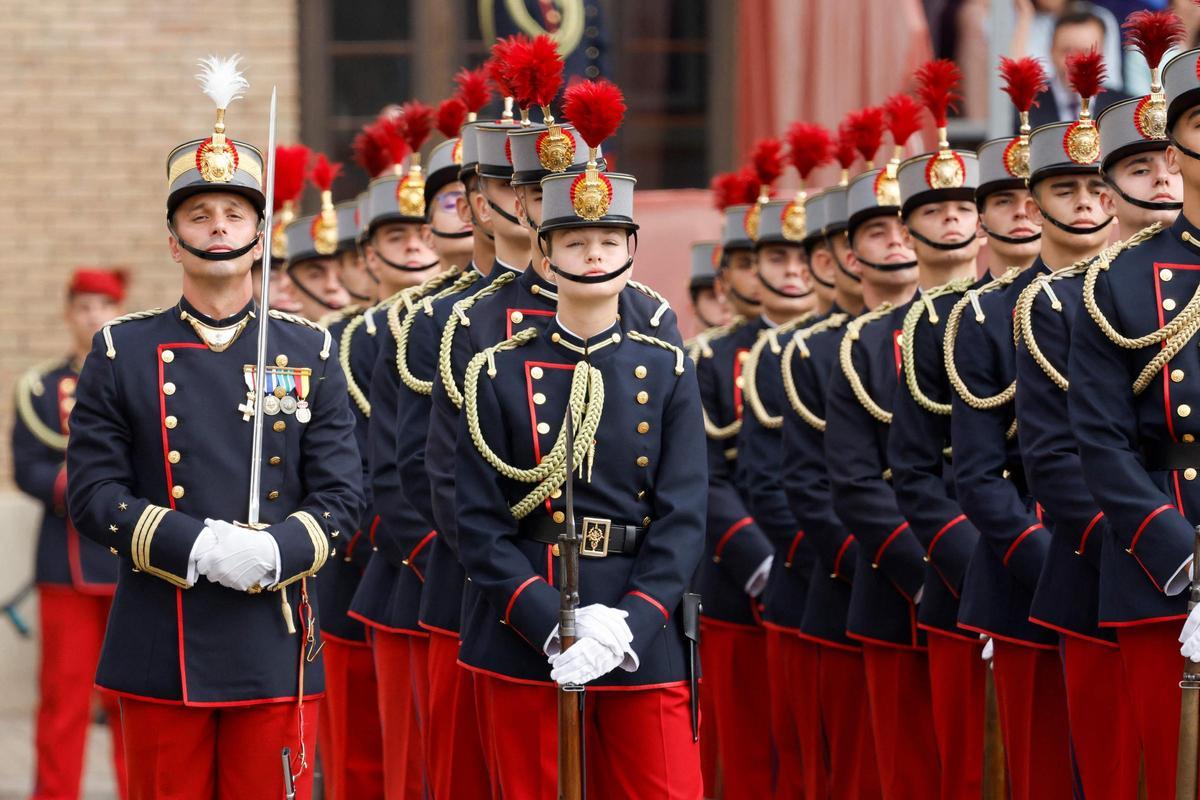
column 283, row 402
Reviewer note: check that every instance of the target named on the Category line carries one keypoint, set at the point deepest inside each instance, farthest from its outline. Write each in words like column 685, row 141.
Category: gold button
column 557, row 493
column 645, row 522
column 642, row 461
column 539, row 398
column 543, row 428
column 279, row 427
column 1177, row 375
column 742, row 356
column 113, row 550
column 554, row 549
column 272, row 495
column 639, row 371
column 643, row 427
column 536, row 373
column 168, row 388
column 173, row 456
column 559, row 516
column 1166, row 274
column 1189, row 438
column 177, row 492
column 1169, row 304
column 555, row 337
column 168, row 356
column 1184, row 409
column 740, row 381
column 643, row 398
column 279, row 391
column 170, row 422
column 275, row 461
column 1189, row 474
column 516, row 316
column 281, row 360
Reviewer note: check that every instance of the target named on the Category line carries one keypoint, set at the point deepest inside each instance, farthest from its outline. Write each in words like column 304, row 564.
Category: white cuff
column 920, row 593
column 1180, row 580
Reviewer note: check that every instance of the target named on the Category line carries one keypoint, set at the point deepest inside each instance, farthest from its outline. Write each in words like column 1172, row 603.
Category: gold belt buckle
column 594, row 542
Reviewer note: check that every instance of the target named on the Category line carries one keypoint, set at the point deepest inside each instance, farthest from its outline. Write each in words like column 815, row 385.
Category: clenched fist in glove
column 240, row 559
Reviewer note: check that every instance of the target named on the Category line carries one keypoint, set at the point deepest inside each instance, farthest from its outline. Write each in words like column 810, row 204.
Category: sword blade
column 260, row 377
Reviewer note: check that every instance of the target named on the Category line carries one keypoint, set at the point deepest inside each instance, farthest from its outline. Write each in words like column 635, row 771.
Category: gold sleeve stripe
column 143, row 537
column 320, row 543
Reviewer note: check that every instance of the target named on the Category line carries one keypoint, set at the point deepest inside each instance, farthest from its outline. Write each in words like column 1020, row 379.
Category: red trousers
column 736, row 670
column 709, row 764
column 1032, row 701
column 902, row 721
column 1153, row 666
column 72, row 625
column 487, row 731
column 176, row 752
column 418, row 667
column 349, row 733
column 785, row 725
column 457, row 767
column 639, row 742
column 846, row 724
column 958, row 681
column 1102, row 720
column 402, row 773
column 808, row 773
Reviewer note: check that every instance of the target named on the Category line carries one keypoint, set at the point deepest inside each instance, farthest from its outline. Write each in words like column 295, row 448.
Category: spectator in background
column 1037, row 29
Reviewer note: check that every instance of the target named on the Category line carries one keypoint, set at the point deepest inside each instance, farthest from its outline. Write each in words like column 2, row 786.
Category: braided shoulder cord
column 663, row 304
column 457, row 316
column 308, row 323
column 1023, row 321
column 908, row 342
column 356, row 393
column 402, row 328
column 847, row 363
column 1102, row 264
column 28, row 386
column 109, row 349
column 701, row 346
column 750, row 372
column 785, row 366
column 951, row 335
column 638, row 336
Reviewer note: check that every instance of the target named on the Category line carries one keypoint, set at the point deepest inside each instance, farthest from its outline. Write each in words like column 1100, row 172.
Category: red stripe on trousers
column 958, row 685
column 349, row 733
column 72, row 632
column 735, row 670
column 785, row 724
column 1102, row 720
column 456, row 756
column 902, row 722
column 1032, row 701
column 846, row 724
column 188, row 753
column 1150, row 656
column 402, row 768
column 653, row 755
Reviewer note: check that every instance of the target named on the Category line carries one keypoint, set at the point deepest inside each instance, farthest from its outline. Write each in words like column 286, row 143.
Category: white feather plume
column 221, row 79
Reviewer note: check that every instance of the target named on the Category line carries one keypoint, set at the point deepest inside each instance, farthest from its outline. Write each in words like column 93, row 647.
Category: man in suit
column 1077, row 30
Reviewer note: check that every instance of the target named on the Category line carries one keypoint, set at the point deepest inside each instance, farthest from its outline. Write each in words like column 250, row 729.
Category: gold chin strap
column 908, row 337
column 952, row 323
column 789, row 384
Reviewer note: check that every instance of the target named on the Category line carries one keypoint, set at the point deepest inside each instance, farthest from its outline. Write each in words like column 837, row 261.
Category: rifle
column 1189, row 717
column 995, row 784
column 570, row 697
column 289, row 783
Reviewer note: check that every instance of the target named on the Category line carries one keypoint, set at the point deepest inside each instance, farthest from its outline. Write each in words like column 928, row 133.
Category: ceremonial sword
column 570, row 697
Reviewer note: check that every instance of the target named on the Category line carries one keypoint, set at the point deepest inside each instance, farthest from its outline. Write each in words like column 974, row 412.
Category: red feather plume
column 416, row 123
column 451, row 115
column 536, row 71
column 937, row 84
column 390, row 128
column 291, row 162
column 766, row 159
column 1086, row 72
column 595, row 108
column 809, row 146
column 325, row 172
column 473, row 88
column 1153, row 33
column 1024, row 79
column 865, row 126
column 844, row 149
column 497, row 66
column 733, row 189
column 903, row 115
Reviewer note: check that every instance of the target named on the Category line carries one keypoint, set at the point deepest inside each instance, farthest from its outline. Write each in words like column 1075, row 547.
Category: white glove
column 205, row 542
column 604, row 624
column 241, row 559
column 1190, row 636
column 583, row 662
column 758, row 581
column 988, row 649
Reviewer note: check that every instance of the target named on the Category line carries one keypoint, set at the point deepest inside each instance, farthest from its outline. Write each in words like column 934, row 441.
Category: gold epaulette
column 952, row 326
column 768, row 337
column 663, row 305
column 286, row 317
column 334, row 317
column 401, row 329
column 831, row 322
column 109, row 349
column 459, row 317
column 701, row 345
column 853, row 331
column 920, row 307
column 638, row 336
column 30, row 385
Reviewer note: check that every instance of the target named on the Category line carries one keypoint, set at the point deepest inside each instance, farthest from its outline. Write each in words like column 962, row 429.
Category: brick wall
column 94, row 95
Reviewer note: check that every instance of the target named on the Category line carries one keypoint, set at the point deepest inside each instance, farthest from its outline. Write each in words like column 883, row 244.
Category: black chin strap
column 896, row 267
column 307, row 293
column 780, row 292
column 1010, row 239
column 447, row 235
column 608, row 276
column 947, row 246
column 475, row 226
column 362, row 298
column 223, row 255
column 741, row 298
column 838, row 262
column 1149, row 205
column 492, row 203
column 1077, row 231
column 405, row 267
column 1187, row 151
column 821, row 281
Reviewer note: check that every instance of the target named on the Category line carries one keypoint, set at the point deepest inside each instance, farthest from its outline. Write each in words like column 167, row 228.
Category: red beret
column 91, row 280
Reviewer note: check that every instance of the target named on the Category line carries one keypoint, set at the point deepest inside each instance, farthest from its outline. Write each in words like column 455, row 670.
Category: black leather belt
column 598, row 537
column 1171, row 455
